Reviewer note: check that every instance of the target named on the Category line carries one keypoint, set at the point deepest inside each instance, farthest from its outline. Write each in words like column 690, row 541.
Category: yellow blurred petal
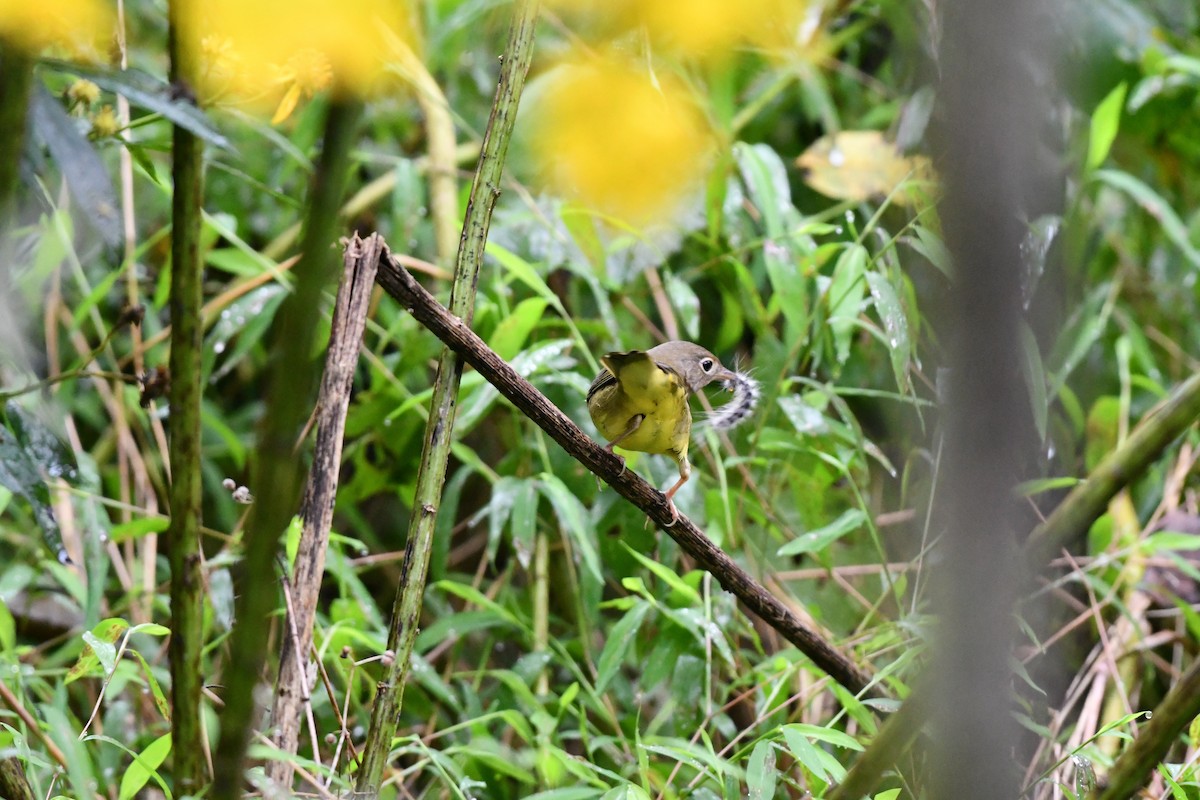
column 608, row 137
column 702, row 29
column 254, row 50
column 713, row 28
column 287, row 105
column 82, row 28
column 859, row 165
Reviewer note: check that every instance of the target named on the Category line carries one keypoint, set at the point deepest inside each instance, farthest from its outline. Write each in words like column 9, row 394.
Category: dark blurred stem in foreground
column 406, row 611
column 183, row 536
column 278, row 472
column 986, row 141
column 16, row 82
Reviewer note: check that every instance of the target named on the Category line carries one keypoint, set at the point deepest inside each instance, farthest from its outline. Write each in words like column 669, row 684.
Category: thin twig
column 345, row 342
column 31, row 724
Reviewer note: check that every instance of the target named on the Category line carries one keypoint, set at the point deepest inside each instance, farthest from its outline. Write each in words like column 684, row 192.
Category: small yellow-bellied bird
column 640, row 401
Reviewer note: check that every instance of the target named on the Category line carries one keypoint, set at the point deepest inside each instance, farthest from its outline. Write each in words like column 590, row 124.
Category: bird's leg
column 635, row 422
column 685, row 472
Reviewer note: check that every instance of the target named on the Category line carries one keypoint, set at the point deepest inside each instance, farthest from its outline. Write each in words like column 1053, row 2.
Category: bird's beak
column 728, row 380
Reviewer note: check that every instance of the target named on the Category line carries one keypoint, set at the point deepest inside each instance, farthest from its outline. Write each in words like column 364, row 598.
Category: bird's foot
column 609, row 448
column 674, row 513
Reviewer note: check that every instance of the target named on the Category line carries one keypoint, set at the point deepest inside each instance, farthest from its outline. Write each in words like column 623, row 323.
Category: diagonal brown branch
column 401, row 285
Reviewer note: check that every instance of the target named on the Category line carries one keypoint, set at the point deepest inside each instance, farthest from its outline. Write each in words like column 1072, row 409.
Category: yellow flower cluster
column 80, row 28
column 613, row 129
column 610, row 137
column 269, row 53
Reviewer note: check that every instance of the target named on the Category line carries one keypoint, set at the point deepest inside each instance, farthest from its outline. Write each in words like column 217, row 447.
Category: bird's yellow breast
column 643, row 387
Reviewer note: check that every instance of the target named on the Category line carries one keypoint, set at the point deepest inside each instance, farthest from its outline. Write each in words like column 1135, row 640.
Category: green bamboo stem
column 278, row 473
column 183, row 535
column 895, row 737
column 485, row 188
column 1086, row 502
column 1173, row 715
column 13, row 783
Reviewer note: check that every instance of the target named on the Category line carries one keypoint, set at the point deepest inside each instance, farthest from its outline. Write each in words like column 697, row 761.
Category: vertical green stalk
column 406, row 612
column 541, row 604
column 278, row 473
column 183, row 536
column 16, row 82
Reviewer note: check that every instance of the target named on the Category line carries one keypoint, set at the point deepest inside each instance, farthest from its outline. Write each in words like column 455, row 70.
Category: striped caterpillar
column 737, row 410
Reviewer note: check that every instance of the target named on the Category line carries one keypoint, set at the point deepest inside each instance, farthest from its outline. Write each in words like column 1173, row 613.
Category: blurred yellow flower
column 704, row 29
column 618, row 140
column 105, row 124
column 713, row 28
column 81, row 28
column 269, row 53
column 81, row 95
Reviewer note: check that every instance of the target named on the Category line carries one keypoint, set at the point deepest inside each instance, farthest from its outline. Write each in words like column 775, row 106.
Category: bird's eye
column 707, row 364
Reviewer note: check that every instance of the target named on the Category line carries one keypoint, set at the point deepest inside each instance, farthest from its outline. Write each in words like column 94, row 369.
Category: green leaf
column 1169, row 541
column 806, row 753
column 524, row 520
column 761, row 774
column 817, row 540
column 767, row 186
column 29, row 453
column 19, row 475
column 473, row 595
column 513, row 331
column 160, row 699
column 1040, row 485
column 1156, row 207
column 703, row 628
column 845, row 297
column 834, row 737
column 144, row 766
column 81, row 167
column 895, row 326
column 667, row 576
column 99, row 649
column 520, row 269
column 929, row 245
column 620, row 639
column 137, row 528
column 789, row 288
column 1035, row 378
column 8, row 629
column 685, row 302
column 572, row 516
column 1106, row 121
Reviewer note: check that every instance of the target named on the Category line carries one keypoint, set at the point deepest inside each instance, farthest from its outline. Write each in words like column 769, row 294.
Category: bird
column 639, row 401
